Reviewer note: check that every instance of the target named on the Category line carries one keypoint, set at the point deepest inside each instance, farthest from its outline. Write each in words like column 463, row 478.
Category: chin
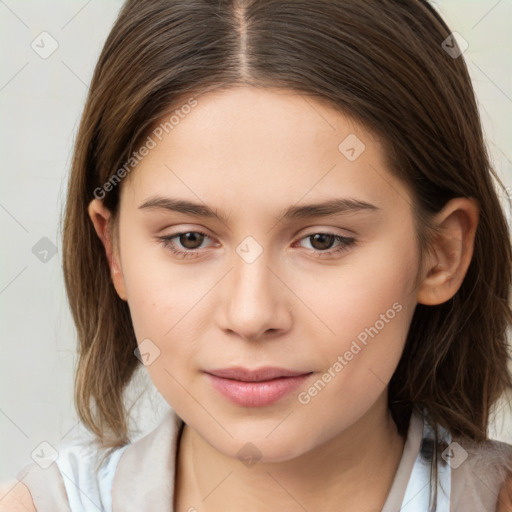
column 251, row 449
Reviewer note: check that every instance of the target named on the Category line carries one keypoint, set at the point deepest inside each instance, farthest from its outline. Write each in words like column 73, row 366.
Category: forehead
column 258, row 148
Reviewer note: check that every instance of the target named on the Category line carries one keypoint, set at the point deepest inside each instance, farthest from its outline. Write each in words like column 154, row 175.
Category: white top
column 140, row 476
column 85, row 489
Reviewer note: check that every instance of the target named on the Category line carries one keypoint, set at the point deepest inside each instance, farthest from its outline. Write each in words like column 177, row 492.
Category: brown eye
column 191, row 240
column 186, row 244
column 325, row 245
column 322, row 241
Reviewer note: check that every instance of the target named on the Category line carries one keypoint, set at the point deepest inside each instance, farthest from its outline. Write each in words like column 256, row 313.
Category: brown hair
column 379, row 61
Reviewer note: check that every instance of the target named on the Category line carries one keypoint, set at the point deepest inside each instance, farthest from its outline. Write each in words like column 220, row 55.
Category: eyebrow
column 331, row 207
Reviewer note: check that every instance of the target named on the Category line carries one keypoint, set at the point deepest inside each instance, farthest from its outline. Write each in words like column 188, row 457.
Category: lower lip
column 256, row 394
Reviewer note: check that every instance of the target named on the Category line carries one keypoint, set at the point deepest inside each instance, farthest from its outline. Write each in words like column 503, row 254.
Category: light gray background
column 40, row 103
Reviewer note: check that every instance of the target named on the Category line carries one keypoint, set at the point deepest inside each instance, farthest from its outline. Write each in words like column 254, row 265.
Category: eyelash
column 193, row 253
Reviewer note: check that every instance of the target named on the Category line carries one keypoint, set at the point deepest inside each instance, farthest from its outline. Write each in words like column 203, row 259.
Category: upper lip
column 256, row 375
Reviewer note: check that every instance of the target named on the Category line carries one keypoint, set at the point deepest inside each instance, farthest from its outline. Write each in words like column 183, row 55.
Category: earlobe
column 101, row 217
column 452, row 250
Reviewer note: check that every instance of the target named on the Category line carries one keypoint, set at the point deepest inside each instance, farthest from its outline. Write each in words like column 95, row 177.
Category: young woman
column 285, row 211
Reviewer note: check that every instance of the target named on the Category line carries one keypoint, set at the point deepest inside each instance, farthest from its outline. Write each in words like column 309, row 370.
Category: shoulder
column 488, row 459
column 505, row 496
column 483, row 472
column 81, row 476
column 78, row 478
column 154, row 456
column 15, row 497
column 88, row 472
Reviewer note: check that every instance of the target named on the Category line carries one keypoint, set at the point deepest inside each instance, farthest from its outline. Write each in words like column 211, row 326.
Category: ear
column 100, row 217
column 452, row 250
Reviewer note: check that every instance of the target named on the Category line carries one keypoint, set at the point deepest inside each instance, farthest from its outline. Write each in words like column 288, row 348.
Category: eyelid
column 313, row 230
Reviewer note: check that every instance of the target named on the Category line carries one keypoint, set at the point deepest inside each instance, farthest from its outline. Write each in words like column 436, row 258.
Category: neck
column 356, row 468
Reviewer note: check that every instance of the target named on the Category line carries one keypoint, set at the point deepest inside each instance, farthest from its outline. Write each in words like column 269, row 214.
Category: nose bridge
column 252, row 279
column 254, row 303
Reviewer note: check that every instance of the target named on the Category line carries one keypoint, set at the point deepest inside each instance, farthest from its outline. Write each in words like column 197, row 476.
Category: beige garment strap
column 144, row 478
column 411, row 449
column 476, row 483
column 46, row 487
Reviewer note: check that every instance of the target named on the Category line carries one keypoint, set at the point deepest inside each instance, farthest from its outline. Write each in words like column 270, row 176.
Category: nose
column 255, row 301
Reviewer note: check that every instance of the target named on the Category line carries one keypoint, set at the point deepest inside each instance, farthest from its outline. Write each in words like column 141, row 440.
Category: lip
column 255, row 388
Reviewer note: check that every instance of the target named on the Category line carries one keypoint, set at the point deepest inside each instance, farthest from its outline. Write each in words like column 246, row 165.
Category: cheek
column 167, row 308
column 159, row 291
column 366, row 307
column 164, row 308
column 161, row 299
column 364, row 286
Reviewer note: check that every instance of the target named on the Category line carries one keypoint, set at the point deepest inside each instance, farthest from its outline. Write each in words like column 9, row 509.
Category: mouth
column 255, row 388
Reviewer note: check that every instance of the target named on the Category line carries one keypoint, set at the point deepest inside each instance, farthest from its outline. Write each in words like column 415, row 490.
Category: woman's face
column 325, row 295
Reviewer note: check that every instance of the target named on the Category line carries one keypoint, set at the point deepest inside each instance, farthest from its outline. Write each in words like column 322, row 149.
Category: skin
column 15, row 497
column 250, row 153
